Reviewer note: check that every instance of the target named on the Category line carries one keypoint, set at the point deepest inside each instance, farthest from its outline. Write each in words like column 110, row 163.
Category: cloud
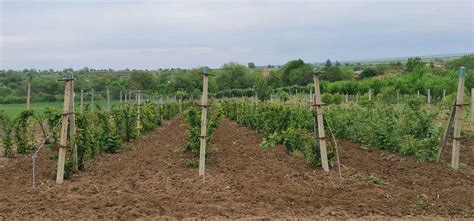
column 152, row 34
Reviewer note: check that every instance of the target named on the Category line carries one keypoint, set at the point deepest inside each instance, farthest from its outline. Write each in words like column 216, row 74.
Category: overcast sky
column 190, row 33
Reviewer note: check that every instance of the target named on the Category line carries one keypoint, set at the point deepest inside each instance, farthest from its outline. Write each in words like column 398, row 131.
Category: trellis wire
column 335, row 147
column 36, row 153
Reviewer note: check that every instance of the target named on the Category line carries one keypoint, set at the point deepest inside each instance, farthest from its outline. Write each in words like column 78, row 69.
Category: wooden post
column 457, row 121
column 179, row 104
column 82, row 101
column 28, row 97
column 346, row 98
column 63, row 135
column 357, row 97
column 429, row 96
column 92, row 100
column 418, row 96
column 161, row 107
column 370, row 94
column 108, row 100
column 129, row 96
column 472, row 104
column 204, row 105
column 72, row 128
column 444, row 94
column 319, row 115
column 120, row 96
column 138, row 95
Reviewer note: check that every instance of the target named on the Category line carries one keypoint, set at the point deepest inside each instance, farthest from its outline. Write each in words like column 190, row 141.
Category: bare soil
column 155, row 178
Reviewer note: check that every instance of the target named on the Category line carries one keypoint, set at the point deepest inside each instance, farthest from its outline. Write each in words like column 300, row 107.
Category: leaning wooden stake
column 204, row 105
column 457, row 121
column 447, row 131
column 319, row 115
column 72, row 128
column 28, row 97
column 63, row 135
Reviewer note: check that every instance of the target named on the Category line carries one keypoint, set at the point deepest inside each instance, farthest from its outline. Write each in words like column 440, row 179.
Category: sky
column 147, row 34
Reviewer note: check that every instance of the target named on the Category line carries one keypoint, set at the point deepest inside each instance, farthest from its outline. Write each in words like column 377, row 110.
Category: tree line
column 233, row 79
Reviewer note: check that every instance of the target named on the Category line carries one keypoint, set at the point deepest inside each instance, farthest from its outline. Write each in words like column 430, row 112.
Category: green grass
column 13, row 110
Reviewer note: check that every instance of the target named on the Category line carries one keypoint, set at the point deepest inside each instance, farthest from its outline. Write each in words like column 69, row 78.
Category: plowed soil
column 155, row 178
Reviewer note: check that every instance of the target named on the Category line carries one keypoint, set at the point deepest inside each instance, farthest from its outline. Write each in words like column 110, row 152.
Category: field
column 152, row 179
column 14, row 110
column 376, row 157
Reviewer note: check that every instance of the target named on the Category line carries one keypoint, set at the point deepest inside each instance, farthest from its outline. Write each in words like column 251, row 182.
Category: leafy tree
column 140, row 80
column 336, row 73
column 262, row 89
column 413, row 63
column 251, row 65
column 368, row 72
column 328, row 63
column 466, row 61
column 296, row 72
column 233, row 75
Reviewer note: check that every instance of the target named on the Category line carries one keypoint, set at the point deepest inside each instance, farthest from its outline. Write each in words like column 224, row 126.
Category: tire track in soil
column 153, row 180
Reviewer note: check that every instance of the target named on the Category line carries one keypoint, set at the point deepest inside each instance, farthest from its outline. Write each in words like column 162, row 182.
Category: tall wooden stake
column 82, row 102
column 457, row 121
column 63, row 135
column 161, row 107
column 319, row 115
column 429, row 96
column 370, row 94
column 204, row 105
column 120, row 96
column 444, row 94
column 138, row 109
column 28, row 97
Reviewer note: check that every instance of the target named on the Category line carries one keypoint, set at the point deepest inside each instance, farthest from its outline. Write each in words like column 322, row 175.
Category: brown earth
column 154, row 179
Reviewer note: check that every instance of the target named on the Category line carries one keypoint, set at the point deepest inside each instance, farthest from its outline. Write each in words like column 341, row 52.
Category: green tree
column 262, row 89
column 232, row 76
column 140, row 80
column 328, row 63
column 368, row 72
column 466, row 61
column 296, row 72
column 251, row 65
column 413, row 63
